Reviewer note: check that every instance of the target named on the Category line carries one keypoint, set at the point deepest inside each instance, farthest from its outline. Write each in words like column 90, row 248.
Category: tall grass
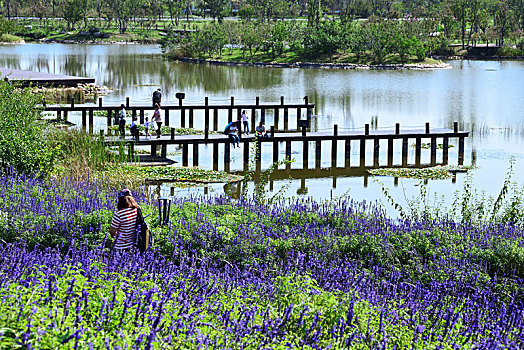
column 84, row 156
column 469, row 205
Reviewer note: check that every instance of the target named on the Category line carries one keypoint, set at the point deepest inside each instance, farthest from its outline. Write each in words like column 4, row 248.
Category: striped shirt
column 124, row 222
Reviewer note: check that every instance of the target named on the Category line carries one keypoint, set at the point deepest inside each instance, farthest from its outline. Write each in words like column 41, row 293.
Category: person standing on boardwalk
column 122, row 121
column 157, row 117
column 245, row 122
column 157, row 97
column 123, row 224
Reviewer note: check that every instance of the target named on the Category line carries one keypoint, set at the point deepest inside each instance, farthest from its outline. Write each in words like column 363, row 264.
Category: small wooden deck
column 26, row 78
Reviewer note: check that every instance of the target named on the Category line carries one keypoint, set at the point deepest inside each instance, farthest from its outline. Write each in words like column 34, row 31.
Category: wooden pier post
column 227, row 153
column 299, row 116
column 163, row 150
column 100, row 102
column 172, row 133
column 91, row 117
column 142, row 116
column 418, row 148
column 206, row 133
column 461, row 151
column 376, row 153
column 427, row 128
column 334, row 145
column 263, row 115
column 195, row 154
column 445, row 150
column 215, row 155
column 185, row 154
column 191, row 118
column 308, row 110
column 433, row 150
column 127, row 102
column 288, row 154
column 275, row 151
column 84, row 119
column 206, row 113
column 404, row 151
column 347, row 153
column 215, row 119
column 166, row 117
column 276, row 117
column 153, row 150
column 305, row 154
column 230, row 110
column 258, row 157
column 366, row 129
column 390, row 152
column 182, row 117
column 318, row 153
column 245, row 146
column 109, row 115
column 286, row 114
column 65, row 115
column 362, row 152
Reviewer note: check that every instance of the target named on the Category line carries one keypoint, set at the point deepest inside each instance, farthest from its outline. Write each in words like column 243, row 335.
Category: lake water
column 485, row 97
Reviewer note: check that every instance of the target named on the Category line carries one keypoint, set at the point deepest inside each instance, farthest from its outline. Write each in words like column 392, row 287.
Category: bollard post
column 164, row 209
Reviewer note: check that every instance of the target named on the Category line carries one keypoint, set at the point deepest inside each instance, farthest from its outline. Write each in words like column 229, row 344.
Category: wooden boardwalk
column 185, row 114
column 26, row 78
column 304, row 138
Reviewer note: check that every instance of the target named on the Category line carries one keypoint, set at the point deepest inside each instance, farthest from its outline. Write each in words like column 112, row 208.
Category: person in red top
column 123, row 225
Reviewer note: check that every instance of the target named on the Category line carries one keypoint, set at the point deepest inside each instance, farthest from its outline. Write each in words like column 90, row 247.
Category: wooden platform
column 26, row 78
column 304, row 138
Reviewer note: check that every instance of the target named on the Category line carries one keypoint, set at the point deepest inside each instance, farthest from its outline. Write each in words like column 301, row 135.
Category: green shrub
column 23, row 138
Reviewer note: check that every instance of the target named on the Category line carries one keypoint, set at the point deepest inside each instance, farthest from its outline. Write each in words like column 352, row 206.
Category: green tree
column 218, row 9
column 74, row 11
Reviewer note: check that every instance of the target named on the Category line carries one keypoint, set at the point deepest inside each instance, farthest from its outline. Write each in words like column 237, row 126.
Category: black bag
column 144, row 239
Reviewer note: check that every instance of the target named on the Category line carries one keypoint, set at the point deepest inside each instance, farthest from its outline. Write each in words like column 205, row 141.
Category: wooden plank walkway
column 26, row 78
column 289, row 138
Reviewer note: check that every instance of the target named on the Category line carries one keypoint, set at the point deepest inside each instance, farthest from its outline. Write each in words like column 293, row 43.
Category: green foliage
column 23, row 138
column 6, row 26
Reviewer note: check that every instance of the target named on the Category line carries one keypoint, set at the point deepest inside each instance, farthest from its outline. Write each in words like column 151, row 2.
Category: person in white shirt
column 245, row 122
column 122, row 121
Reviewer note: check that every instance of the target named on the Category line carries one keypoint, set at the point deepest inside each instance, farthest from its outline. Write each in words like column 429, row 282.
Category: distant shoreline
column 352, row 66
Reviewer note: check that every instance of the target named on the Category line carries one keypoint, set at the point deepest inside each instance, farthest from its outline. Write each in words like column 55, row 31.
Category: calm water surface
column 485, row 97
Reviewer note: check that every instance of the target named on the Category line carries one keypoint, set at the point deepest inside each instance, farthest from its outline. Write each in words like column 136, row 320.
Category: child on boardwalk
column 146, row 126
column 134, row 129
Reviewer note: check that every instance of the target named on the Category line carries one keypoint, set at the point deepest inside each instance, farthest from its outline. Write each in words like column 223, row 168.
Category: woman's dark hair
column 126, row 202
column 122, row 105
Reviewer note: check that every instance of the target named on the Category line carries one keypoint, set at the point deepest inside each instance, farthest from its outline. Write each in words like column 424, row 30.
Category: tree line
column 468, row 21
column 369, row 41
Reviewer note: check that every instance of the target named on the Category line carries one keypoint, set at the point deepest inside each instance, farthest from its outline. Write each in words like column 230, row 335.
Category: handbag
column 144, row 239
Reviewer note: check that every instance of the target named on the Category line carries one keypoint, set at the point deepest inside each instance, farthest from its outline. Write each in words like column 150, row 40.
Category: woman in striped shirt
column 123, row 225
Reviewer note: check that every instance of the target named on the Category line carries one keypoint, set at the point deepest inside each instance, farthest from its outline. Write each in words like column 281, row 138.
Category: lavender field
column 239, row 274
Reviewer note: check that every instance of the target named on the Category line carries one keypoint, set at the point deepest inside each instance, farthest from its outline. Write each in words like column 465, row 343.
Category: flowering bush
column 240, row 274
